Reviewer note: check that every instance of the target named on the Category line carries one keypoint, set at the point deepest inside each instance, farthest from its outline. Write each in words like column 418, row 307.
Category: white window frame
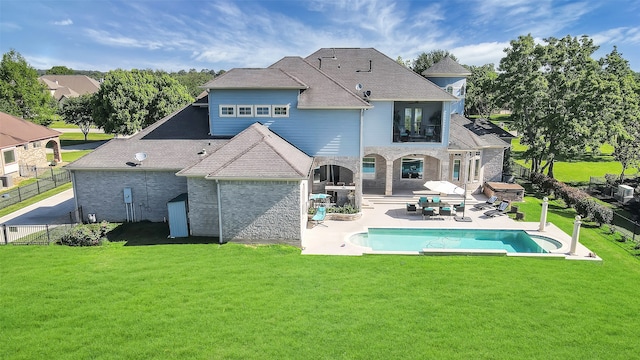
column 268, row 107
column 276, row 107
column 453, row 169
column 227, row 106
column 244, row 107
column 4, row 158
column 367, row 175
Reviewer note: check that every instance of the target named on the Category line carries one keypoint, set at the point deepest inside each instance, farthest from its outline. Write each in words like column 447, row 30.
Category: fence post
column 48, row 237
column 38, row 184
column 635, row 226
column 19, row 195
column 4, row 232
column 53, row 176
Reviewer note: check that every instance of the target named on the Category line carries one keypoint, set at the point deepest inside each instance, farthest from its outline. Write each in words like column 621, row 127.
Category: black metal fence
column 520, row 172
column 47, row 180
column 33, row 234
column 626, row 226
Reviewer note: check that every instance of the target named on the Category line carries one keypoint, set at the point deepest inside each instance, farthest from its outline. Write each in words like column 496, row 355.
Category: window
column 9, row 156
column 245, row 110
column 462, row 91
column 369, row 167
column 476, row 170
column 263, row 110
column 450, row 89
column 227, row 111
column 281, row 110
column 456, row 170
column 37, row 144
column 411, row 168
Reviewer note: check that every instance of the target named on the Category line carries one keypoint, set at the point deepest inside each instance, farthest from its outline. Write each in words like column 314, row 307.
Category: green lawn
column 69, row 156
column 579, row 171
column 198, row 301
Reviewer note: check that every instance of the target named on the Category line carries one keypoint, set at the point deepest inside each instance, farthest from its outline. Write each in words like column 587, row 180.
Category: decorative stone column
column 388, row 184
column 543, row 215
column 576, row 235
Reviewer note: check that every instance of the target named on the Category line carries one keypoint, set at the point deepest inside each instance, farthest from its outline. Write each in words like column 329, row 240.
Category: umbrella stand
column 464, row 207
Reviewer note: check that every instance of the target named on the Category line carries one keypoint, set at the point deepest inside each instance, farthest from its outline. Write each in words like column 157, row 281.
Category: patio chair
column 487, row 204
column 427, row 212
column 459, row 207
column 445, row 211
column 436, row 199
column 423, row 201
column 411, row 208
column 321, row 213
column 500, row 210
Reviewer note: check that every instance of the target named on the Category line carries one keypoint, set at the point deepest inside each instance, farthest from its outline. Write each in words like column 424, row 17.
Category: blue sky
column 174, row 35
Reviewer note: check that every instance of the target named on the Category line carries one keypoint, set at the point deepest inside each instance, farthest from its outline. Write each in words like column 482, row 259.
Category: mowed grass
column 69, row 156
column 269, row 302
column 580, row 170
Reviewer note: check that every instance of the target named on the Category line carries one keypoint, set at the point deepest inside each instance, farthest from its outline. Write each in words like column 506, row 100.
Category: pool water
column 512, row 241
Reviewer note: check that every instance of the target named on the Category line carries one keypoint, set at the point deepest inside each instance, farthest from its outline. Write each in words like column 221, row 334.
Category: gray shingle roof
column 70, row 85
column 465, row 135
column 255, row 153
column 446, row 67
column 376, row 72
column 323, row 92
column 242, row 78
column 172, row 143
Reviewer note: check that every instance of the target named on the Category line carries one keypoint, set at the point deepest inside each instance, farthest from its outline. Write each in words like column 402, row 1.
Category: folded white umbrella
column 444, row 187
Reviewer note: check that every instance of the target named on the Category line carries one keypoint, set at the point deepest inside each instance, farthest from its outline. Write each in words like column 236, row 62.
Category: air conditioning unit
column 624, row 193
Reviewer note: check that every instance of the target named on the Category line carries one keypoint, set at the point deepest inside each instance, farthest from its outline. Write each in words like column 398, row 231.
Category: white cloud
column 480, row 54
column 65, row 22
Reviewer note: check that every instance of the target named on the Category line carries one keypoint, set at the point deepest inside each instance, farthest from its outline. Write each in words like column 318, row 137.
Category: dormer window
column 450, row 89
column 462, row 90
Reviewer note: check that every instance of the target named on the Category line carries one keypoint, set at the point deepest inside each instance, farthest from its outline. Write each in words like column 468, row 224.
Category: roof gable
column 74, row 85
column 376, row 72
column 15, row 131
column 446, row 67
column 255, row 153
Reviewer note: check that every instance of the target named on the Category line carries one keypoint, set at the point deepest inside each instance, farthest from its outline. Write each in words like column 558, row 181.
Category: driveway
column 53, row 210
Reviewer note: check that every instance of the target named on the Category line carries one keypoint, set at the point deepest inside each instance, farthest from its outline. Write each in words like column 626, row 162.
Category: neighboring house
column 63, row 87
column 24, row 143
column 344, row 121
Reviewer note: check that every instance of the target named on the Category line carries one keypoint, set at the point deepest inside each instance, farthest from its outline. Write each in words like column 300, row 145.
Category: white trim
column 227, row 106
column 244, row 107
column 262, row 106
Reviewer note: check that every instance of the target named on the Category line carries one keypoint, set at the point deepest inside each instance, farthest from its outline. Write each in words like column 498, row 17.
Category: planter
column 340, row 217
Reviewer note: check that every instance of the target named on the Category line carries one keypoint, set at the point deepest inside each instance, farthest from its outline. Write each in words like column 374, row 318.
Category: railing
column 47, row 180
column 32, row 234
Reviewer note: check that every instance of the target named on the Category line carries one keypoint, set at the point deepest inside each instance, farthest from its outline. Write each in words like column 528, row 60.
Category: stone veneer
column 492, row 160
column 102, row 193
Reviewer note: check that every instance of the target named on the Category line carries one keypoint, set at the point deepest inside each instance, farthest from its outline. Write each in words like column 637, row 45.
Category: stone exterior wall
column 492, row 161
column 203, row 207
column 102, row 193
column 33, row 156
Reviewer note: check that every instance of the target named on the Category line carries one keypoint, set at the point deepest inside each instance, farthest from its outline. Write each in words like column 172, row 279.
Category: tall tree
column 193, row 79
column 546, row 85
column 60, row 70
column 131, row 100
column 481, row 90
column 21, row 94
column 78, row 111
column 426, row 60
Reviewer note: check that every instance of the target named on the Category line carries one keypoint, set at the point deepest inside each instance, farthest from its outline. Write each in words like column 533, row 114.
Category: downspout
column 75, row 196
column 361, row 192
column 219, row 213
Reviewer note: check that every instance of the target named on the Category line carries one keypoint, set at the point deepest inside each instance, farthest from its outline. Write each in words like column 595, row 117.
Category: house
column 63, row 87
column 24, row 143
column 346, row 121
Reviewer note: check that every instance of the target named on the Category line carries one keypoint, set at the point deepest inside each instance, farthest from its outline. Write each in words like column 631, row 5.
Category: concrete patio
column 331, row 237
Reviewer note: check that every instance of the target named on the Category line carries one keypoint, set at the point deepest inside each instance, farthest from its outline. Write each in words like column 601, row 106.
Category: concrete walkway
column 53, row 210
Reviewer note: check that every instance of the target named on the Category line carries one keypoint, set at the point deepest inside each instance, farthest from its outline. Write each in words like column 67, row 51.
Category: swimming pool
column 433, row 240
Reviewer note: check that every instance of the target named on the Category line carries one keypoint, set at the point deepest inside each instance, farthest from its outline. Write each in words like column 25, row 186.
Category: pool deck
column 330, row 237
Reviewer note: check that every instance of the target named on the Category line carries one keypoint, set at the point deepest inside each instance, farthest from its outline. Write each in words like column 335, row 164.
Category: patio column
column 388, row 183
column 543, row 215
column 576, row 235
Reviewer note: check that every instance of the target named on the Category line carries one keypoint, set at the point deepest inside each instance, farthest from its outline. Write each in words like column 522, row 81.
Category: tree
column 21, row 94
column 131, row 100
column 192, row 80
column 547, row 85
column 78, row 111
column 60, row 70
column 403, row 62
column 481, row 90
column 426, row 60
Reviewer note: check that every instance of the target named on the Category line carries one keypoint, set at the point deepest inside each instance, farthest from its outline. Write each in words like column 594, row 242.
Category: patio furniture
column 459, row 207
column 445, row 211
column 428, row 212
column 411, row 208
column 423, row 201
column 500, row 210
column 319, row 216
column 487, row 204
column 436, row 199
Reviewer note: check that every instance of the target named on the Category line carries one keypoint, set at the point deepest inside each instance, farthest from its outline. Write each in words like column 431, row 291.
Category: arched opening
column 54, row 144
column 337, row 181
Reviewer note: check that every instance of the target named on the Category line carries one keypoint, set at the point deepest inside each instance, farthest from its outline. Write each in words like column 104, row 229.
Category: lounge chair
column 321, row 213
column 500, row 210
column 411, row 208
column 428, row 212
column 487, row 204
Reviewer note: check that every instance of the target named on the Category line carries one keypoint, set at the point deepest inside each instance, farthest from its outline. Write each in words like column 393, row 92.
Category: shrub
column 347, row 209
column 83, row 235
column 602, row 215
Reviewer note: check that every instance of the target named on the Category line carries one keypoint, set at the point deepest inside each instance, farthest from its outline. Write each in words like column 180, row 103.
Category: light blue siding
column 378, row 125
column 457, row 83
column 316, row 132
